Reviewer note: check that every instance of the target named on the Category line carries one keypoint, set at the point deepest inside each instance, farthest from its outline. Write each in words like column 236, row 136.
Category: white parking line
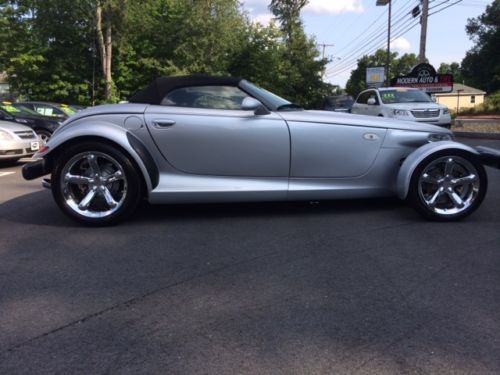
column 2, row 174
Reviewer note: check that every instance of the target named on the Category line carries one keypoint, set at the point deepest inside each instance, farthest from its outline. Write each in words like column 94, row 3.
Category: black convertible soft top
column 156, row 90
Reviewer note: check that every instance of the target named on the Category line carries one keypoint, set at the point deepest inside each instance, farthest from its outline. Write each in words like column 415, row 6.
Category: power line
column 446, row 7
column 342, row 70
column 374, row 38
column 378, row 40
column 381, row 29
column 339, row 70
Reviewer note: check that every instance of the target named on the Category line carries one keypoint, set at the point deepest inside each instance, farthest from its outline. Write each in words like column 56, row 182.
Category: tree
column 453, row 68
column 288, row 14
column 50, row 48
column 399, row 66
column 481, row 65
column 45, row 49
column 106, row 14
column 300, row 71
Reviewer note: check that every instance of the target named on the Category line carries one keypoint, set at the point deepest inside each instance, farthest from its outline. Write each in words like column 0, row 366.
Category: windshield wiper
column 289, row 107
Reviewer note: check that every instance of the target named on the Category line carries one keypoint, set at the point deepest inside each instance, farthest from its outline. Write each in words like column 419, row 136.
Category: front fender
column 416, row 157
column 110, row 132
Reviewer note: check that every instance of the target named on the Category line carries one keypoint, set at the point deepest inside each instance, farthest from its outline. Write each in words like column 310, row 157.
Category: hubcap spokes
column 449, row 185
column 93, row 184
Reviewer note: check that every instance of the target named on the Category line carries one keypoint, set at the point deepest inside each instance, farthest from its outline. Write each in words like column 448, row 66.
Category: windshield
column 16, row 109
column 272, row 101
column 404, row 96
column 68, row 109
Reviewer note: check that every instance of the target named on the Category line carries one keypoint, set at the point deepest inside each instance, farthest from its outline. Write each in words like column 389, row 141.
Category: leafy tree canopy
column 481, row 65
column 50, row 48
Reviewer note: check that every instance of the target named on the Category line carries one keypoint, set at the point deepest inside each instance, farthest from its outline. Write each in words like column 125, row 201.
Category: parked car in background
column 403, row 104
column 17, row 141
column 338, row 103
column 61, row 111
column 215, row 139
column 43, row 126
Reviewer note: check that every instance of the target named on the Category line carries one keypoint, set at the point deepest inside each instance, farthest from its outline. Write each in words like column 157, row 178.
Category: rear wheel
column 448, row 185
column 96, row 184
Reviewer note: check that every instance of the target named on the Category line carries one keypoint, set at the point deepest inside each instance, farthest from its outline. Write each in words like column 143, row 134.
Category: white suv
column 401, row 103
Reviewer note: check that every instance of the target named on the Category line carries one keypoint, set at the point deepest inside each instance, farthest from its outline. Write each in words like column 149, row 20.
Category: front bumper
column 15, row 149
column 489, row 156
column 35, row 169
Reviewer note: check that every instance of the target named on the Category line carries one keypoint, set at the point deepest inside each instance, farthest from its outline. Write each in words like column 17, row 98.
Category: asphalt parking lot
column 364, row 287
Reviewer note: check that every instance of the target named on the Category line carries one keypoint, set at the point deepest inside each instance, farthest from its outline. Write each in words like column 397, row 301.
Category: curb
column 477, row 135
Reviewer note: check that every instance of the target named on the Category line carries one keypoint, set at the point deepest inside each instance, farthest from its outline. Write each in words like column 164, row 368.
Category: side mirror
column 371, row 101
column 252, row 104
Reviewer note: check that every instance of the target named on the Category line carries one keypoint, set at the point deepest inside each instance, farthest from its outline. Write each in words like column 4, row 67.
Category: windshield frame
column 272, row 101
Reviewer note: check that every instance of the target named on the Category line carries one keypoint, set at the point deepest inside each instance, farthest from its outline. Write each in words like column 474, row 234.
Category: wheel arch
column 416, row 157
column 112, row 135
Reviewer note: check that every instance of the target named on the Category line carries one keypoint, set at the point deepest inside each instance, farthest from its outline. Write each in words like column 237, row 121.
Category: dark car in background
column 338, row 103
column 43, row 126
column 61, row 111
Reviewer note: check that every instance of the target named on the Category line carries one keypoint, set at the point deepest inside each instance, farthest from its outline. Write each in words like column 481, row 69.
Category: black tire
column 126, row 192
column 446, row 208
column 44, row 135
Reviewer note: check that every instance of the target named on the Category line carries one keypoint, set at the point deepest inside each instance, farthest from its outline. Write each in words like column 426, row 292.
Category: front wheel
column 96, row 184
column 448, row 185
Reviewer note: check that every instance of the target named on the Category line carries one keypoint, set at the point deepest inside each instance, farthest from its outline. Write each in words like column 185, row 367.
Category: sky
column 358, row 27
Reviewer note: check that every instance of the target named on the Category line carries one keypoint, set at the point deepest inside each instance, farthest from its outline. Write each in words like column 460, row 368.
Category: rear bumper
column 35, row 169
column 489, row 156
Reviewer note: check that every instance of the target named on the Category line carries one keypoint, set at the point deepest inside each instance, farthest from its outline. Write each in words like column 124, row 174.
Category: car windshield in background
column 15, row 109
column 68, row 110
column 404, row 96
column 273, row 101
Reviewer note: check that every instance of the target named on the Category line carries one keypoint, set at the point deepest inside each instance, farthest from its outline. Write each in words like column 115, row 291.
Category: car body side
column 322, row 155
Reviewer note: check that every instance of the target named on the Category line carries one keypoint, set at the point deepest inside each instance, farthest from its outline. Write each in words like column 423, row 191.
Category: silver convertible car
column 214, row 139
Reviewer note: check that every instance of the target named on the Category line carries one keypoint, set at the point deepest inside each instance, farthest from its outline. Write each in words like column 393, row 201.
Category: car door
column 204, row 131
column 360, row 107
column 372, row 109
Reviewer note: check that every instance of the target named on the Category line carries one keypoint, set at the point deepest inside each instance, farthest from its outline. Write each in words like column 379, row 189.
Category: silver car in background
column 17, row 141
column 215, row 139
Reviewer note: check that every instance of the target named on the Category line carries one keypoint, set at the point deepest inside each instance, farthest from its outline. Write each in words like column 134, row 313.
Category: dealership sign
column 425, row 78
column 375, row 77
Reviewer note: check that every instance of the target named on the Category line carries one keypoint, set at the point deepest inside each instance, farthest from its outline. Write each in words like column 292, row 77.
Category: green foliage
column 453, row 68
column 46, row 48
column 481, row 65
column 398, row 66
column 299, row 75
column 49, row 47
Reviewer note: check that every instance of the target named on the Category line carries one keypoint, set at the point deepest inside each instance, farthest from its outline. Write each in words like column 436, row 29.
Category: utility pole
column 323, row 54
column 423, row 30
column 388, row 61
column 323, row 45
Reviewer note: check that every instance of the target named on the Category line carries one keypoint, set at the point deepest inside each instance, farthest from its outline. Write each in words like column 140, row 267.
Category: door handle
column 163, row 123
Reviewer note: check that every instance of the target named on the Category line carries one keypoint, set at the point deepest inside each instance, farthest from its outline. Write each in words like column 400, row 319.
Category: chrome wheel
column 93, row 184
column 449, row 185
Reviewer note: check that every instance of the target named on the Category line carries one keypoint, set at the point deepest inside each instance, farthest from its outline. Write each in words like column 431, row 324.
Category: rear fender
column 108, row 132
column 417, row 156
